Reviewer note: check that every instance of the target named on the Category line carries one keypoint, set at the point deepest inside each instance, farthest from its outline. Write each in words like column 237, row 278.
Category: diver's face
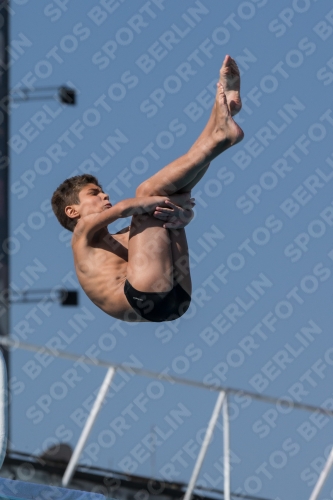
column 92, row 200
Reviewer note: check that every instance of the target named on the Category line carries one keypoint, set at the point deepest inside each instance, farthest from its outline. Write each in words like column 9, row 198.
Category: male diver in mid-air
column 142, row 272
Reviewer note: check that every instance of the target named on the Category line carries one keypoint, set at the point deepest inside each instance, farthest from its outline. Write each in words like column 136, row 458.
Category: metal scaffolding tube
column 88, row 426
column 226, row 449
column 163, row 376
column 323, row 476
column 204, row 446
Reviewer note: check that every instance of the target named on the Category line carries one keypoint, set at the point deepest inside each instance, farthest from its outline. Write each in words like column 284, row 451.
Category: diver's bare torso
column 101, row 269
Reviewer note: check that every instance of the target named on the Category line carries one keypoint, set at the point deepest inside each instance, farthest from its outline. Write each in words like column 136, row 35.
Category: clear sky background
column 261, row 242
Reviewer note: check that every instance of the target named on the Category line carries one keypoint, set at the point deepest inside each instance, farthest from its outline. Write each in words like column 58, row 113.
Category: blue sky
column 260, row 242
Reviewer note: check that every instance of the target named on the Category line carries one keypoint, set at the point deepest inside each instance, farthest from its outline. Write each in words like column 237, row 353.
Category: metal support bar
column 323, row 476
column 65, row 95
column 60, row 295
column 226, row 449
column 204, row 446
column 35, row 98
column 88, row 426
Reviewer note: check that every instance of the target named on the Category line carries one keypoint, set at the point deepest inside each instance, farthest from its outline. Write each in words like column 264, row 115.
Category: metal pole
column 204, row 446
column 4, row 185
column 323, row 476
column 88, row 426
column 3, row 408
column 226, row 449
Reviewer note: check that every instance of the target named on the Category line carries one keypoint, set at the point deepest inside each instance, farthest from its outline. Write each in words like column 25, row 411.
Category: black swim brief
column 158, row 307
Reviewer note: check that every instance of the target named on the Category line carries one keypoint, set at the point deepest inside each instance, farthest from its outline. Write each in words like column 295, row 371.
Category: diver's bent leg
column 150, row 261
column 181, row 260
column 182, row 172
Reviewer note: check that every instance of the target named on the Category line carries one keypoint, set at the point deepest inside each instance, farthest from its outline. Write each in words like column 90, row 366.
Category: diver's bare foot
column 230, row 79
column 226, row 129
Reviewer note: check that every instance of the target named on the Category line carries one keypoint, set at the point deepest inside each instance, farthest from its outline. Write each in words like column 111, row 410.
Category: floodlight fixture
column 67, row 95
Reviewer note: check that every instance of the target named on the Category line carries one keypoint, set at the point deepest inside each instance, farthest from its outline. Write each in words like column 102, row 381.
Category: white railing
column 221, row 406
column 88, row 426
column 3, row 409
column 322, row 478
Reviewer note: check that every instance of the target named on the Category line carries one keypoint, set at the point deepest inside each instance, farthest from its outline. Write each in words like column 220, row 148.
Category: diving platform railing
column 221, row 406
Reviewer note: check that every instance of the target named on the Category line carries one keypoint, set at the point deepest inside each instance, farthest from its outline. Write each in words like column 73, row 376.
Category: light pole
column 4, row 181
column 65, row 95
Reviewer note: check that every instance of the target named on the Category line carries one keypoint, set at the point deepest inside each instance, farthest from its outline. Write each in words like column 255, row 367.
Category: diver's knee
column 144, row 189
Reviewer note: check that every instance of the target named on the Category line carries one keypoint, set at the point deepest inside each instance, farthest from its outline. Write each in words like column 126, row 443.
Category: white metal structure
column 322, row 478
column 226, row 450
column 88, row 426
column 3, row 409
column 209, row 433
column 221, row 405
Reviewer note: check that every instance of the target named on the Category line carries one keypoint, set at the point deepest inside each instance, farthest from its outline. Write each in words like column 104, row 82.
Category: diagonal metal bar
column 205, row 444
column 88, row 426
column 226, row 449
column 322, row 478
